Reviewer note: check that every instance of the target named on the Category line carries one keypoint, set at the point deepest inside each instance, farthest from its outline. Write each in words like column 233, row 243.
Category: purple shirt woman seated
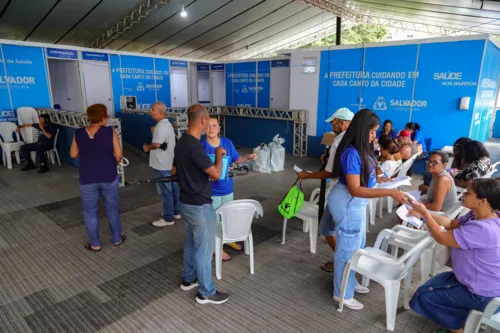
column 99, row 150
column 474, row 238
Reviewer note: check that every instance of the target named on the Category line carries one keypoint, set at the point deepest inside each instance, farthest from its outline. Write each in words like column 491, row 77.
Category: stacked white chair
column 50, row 153
column 488, row 317
column 375, row 264
column 236, row 219
column 28, row 115
column 9, row 146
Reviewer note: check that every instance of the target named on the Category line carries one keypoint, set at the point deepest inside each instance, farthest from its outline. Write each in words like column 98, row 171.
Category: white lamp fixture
column 183, row 11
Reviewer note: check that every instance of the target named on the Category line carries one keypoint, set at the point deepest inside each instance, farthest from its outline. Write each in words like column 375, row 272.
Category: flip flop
column 326, row 268
column 234, row 246
column 88, row 246
column 124, row 238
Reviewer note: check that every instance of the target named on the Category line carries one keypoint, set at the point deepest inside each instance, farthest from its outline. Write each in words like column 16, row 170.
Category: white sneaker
column 162, row 223
column 360, row 289
column 350, row 303
column 177, row 217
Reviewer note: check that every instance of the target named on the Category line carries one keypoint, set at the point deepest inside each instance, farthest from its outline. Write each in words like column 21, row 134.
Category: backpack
column 293, row 201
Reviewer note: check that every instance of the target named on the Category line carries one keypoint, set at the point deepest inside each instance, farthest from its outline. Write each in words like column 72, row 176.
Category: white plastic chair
column 50, row 153
column 308, row 213
column 401, row 170
column 121, row 170
column 27, row 115
column 8, row 145
column 475, row 318
column 236, row 225
column 375, row 264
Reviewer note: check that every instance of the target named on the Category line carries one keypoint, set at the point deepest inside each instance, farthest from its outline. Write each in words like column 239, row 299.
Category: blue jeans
column 326, row 225
column 91, row 194
column 169, row 193
column 349, row 214
column 447, row 302
column 199, row 246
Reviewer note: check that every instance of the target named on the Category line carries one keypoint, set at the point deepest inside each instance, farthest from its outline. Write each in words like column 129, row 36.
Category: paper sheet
column 396, row 182
column 403, row 215
column 414, row 194
column 297, row 169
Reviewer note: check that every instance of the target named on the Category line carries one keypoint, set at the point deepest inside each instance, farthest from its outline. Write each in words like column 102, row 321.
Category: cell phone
column 164, row 146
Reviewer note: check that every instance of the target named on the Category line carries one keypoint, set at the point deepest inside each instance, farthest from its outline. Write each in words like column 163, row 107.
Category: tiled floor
column 50, row 283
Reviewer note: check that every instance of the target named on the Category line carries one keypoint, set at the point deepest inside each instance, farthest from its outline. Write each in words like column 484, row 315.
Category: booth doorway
column 280, row 88
column 66, row 85
column 179, row 84
column 97, row 83
column 219, row 88
column 204, row 88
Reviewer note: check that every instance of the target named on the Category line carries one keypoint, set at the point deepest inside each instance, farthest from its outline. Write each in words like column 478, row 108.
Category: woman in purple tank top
column 99, row 150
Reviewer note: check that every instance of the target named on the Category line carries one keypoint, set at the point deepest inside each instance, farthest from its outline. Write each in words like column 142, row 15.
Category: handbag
column 293, row 200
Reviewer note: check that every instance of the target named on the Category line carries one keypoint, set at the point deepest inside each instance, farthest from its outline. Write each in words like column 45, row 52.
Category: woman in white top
column 388, row 164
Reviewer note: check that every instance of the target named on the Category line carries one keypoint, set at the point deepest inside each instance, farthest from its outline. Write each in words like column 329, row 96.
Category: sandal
column 88, row 246
column 234, row 246
column 227, row 258
column 327, row 267
column 124, row 238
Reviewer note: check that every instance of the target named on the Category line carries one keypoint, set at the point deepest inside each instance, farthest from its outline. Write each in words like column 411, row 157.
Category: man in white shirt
column 161, row 156
column 340, row 120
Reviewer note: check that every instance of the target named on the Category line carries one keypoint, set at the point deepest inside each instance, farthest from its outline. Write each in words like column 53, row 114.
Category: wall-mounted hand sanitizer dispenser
column 464, row 103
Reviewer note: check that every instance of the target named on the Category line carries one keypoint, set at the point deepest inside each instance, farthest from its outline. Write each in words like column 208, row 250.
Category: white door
column 280, row 87
column 218, row 88
column 204, row 88
column 179, row 84
column 97, row 82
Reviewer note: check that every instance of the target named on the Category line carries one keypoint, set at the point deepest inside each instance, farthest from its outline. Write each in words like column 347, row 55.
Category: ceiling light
column 183, row 11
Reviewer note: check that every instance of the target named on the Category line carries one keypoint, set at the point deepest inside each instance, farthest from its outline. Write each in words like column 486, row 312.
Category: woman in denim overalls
column 355, row 167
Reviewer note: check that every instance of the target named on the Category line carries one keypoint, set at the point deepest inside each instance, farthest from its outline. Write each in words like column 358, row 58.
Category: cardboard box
column 328, row 138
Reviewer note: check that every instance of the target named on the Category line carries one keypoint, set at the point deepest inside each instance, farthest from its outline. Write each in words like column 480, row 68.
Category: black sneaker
column 29, row 166
column 218, row 298
column 43, row 168
column 189, row 285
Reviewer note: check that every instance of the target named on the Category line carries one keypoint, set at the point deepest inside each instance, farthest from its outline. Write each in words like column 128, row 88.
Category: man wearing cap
column 404, row 138
column 340, row 120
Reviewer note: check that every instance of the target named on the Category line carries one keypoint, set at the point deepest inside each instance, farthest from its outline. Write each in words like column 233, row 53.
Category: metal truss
column 354, row 17
column 79, row 120
column 298, row 117
column 139, row 13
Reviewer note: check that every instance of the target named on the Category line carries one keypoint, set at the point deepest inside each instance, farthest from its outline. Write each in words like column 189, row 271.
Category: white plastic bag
column 263, row 161
column 277, row 154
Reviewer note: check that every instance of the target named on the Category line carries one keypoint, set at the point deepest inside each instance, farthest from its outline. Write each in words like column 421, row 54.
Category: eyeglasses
column 432, row 163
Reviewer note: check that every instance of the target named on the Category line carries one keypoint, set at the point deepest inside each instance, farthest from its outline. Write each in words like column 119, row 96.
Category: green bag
column 293, row 201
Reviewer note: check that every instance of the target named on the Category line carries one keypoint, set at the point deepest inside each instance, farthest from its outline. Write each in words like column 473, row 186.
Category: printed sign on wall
column 162, row 68
column 62, row 53
column 241, row 84
column 135, row 78
column 94, row 56
column 388, row 84
column 263, row 84
column 6, row 113
column 26, row 76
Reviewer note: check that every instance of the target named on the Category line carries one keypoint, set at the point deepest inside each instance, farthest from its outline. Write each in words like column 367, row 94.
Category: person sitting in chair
column 45, row 143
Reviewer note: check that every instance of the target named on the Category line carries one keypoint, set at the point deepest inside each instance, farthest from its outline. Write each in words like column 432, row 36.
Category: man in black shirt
column 194, row 168
column 45, row 142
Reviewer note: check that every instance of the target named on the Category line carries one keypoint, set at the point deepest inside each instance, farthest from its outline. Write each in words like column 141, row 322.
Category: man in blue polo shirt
column 45, row 142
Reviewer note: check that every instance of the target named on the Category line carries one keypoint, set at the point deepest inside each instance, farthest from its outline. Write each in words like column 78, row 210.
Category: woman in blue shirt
column 222, row 190
column 416, row 136
column 355, row 166
column 387, row 131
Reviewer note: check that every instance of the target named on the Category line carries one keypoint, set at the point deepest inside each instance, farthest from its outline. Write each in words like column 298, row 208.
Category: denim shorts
column 447, row 302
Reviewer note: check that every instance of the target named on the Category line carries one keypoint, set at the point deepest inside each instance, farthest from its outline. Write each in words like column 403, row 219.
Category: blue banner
column 280, row 63
column 485, row 107
column 94, row 56
column 217, row 67
column 134, row 76
column 263, row 84
column 447, row 72
column 62, row 53
column 203, row 67
column 6, row 113
column 163, row 81
column 241, row 84
column 116, row 82
column 178, row 63
column 388, row 84
column 26, row 76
